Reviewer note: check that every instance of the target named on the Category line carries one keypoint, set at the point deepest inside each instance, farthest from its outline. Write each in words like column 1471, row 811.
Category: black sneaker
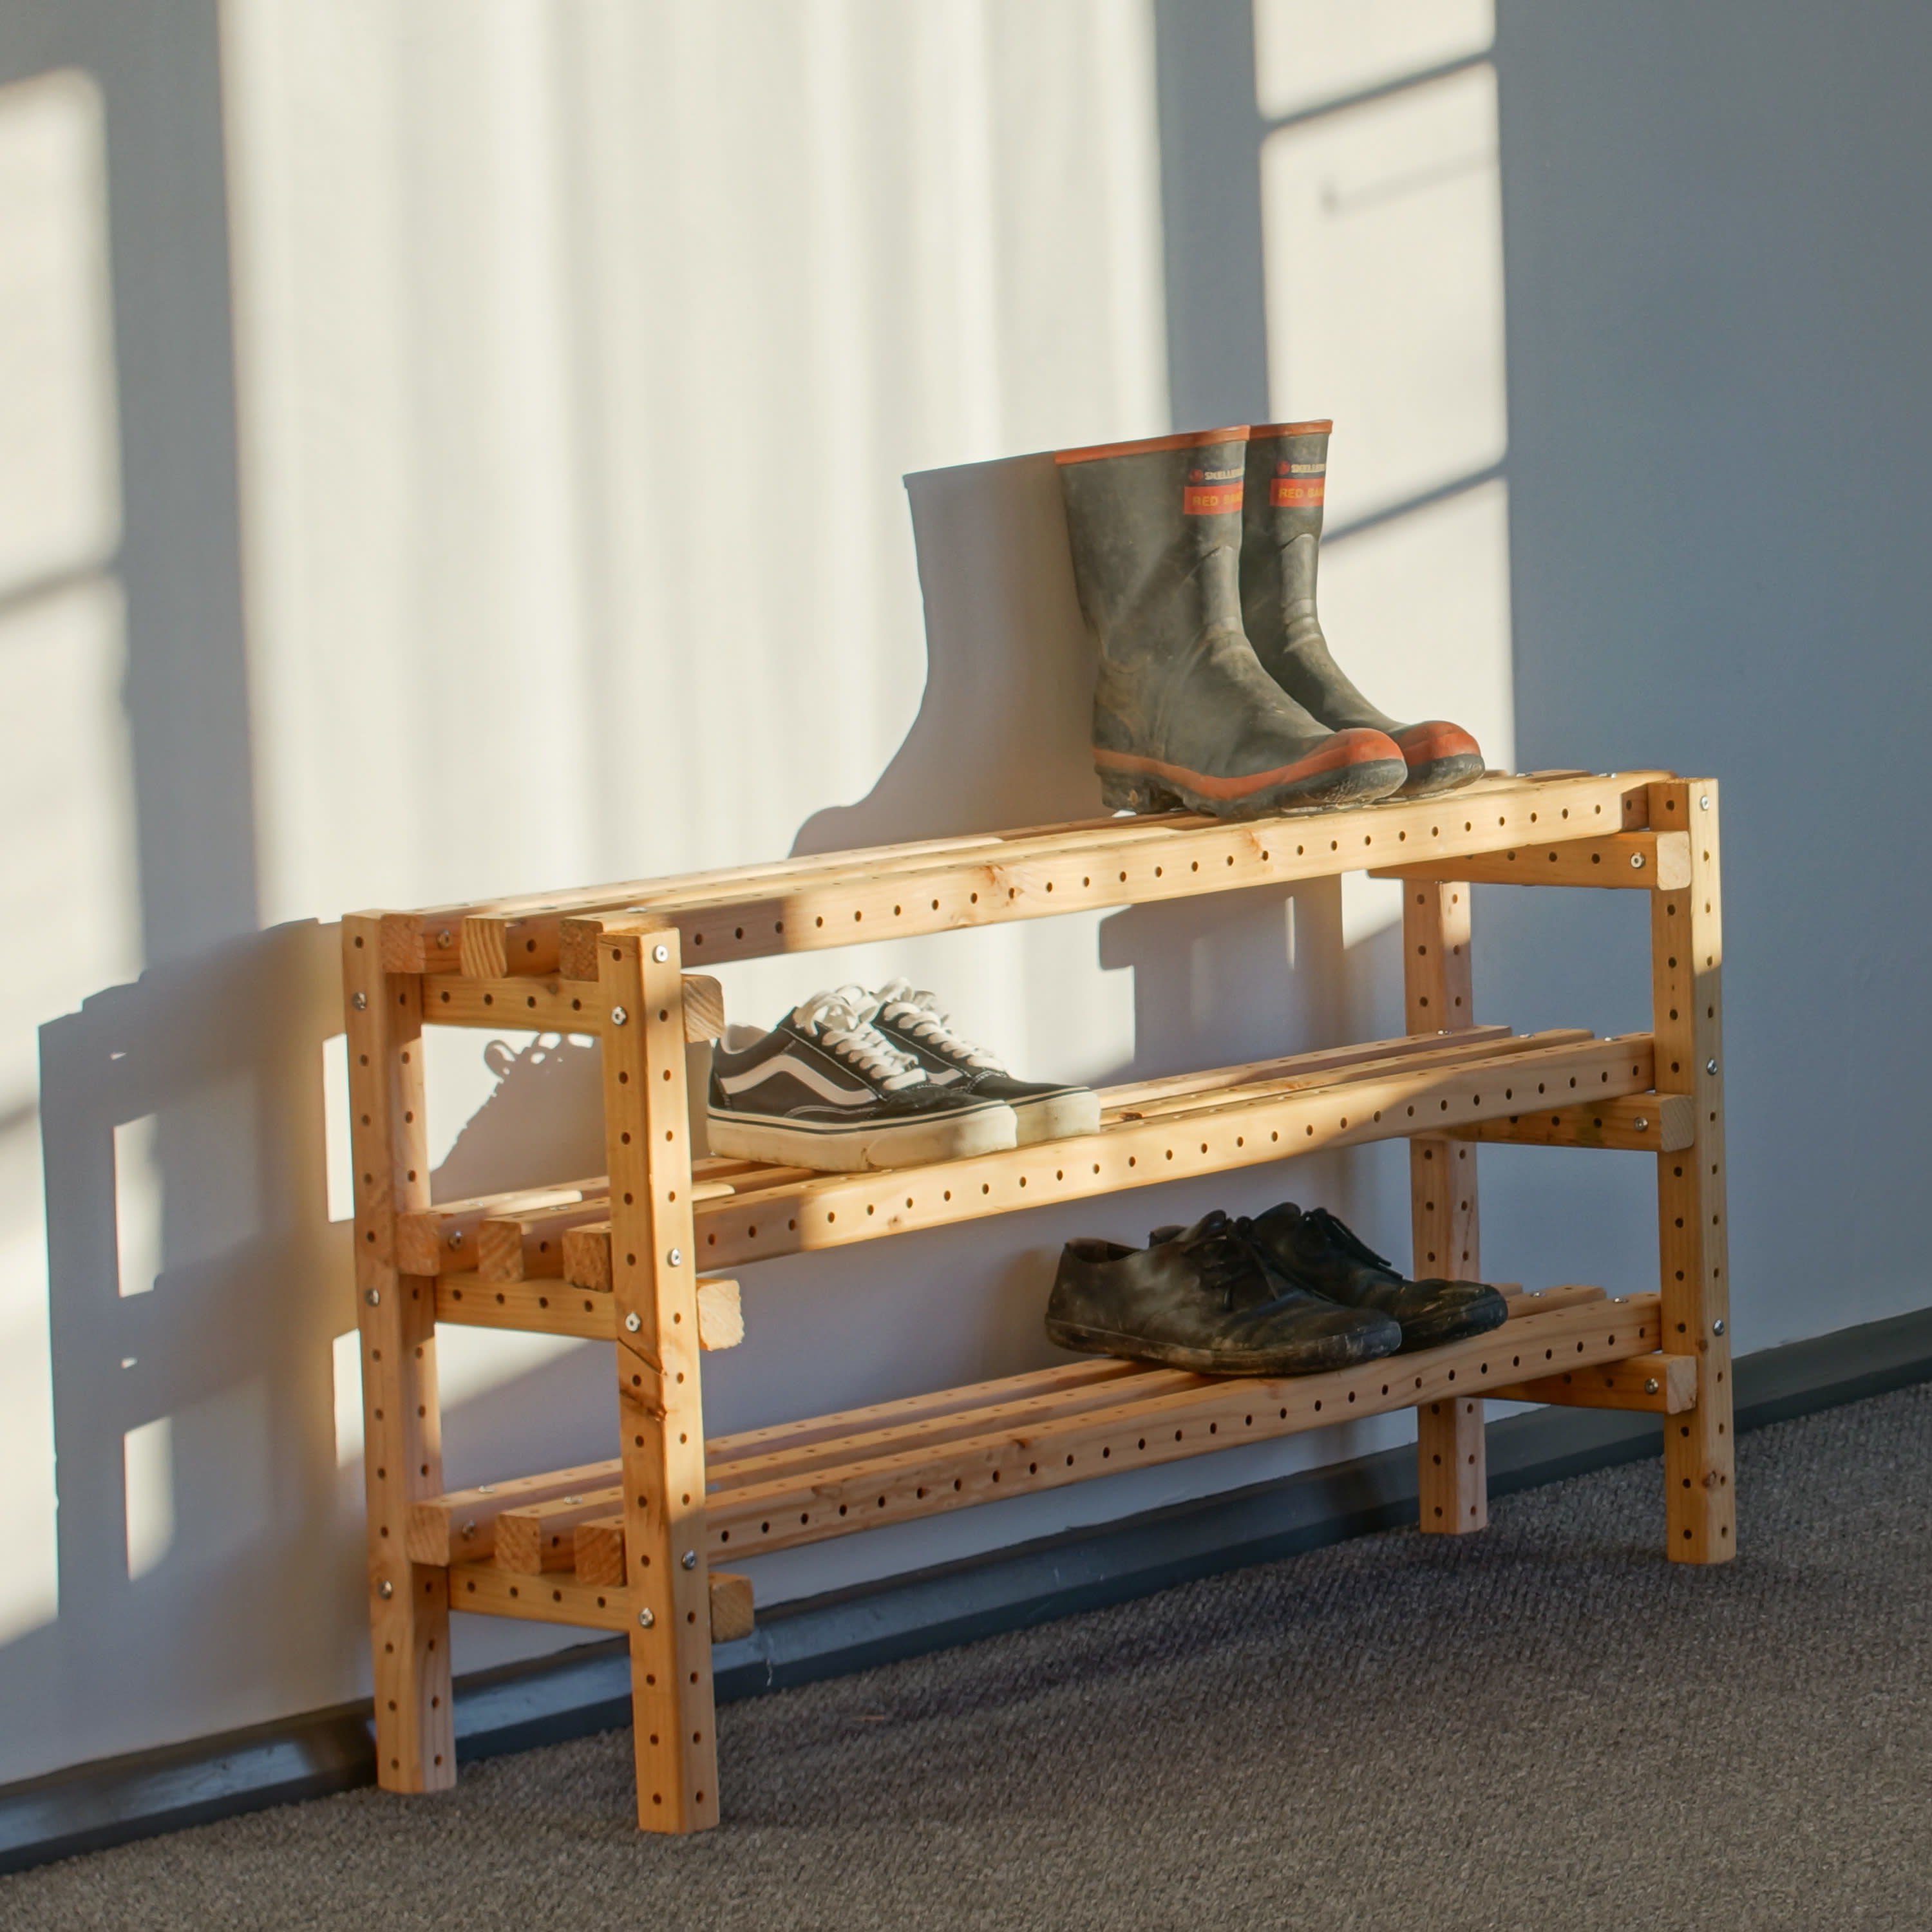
column 1207, row 1298
column 824, row 1089
column 1321, row 1249
column 914, row 1023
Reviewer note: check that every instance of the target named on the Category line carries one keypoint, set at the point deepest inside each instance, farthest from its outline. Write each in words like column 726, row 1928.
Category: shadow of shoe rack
column 634, row 1256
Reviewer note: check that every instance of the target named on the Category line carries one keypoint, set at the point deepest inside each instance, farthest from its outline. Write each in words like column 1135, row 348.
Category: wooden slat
column 529, row 1246
column 811, row 908
column 834, row 1210
column 1130, row 1094
column 408, row 1617
column 1452, row 1478
column 461, row 1526
column 1639, row 1122
column 442, row 1239
column 1664, row 1385
column 534, row 1537
column 1642, row 861
column 1540, row 1301
column 837, row 1500
column 1687, row 971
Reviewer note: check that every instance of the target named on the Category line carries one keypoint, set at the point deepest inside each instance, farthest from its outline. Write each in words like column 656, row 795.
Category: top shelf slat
column 836, row 899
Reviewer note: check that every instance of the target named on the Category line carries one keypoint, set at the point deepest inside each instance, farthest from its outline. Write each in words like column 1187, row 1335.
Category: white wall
column 581, row 353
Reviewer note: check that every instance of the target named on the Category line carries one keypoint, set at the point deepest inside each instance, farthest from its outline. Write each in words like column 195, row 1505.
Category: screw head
column 1704, row 802
column 360, row 1002
column 1617, row 1301
column 1710, row 1066
column 373, row 1297
column 456, row 1237
column 573, row 1499
column 632, row 1323
column 647, row 1618
column 1641, row 1123
column 1717, row 1326
column 1535, row 1294
column 689, row 1559
column 443, row 938
column 1651, row 1385
column 661, row 953
column 486, row 1488
column 676, row 1257
column 385, row 1589
column 618, row 1016
column 1637, row 862
column 468, row 1531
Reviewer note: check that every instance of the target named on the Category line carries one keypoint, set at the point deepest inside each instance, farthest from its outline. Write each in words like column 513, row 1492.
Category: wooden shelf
column 632, row 1257
column 896, row 891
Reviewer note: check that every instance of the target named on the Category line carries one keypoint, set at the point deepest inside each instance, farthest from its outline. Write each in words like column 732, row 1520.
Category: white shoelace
column 919, row 1013
column 842, row 1020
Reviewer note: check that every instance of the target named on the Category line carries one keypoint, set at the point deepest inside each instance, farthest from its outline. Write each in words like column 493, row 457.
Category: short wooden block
column 731, row 1609
column 1640, row 861
column 516, row 1247
column 461, row 1526
column 1663, row 1384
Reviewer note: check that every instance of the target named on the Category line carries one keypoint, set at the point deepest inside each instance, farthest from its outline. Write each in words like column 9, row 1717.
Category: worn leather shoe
column 1319, row 1249
column 1207, row 1298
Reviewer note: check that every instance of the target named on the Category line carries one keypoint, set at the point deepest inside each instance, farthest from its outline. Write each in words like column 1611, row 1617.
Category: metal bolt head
column 468, row 1531
column 486, row 1488
column 360, row 1002
column 676, row 1257
column 443, row 938
column 456, row 1238
column 385, row 1589
column 1710, row 1066
column 1704, row 803
column 1637, row 862
column 1717, row 1326
column 618, row 1016
column 373, row 1297
column 1643, row 1122
column 661, row 953
column 647, row 1618
column 1536, row 1295
column 1651, row 1385
column 689, row 1559
column 573, row 1499
column 632, row 1322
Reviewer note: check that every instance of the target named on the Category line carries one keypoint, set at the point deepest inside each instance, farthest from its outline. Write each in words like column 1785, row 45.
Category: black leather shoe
column 1324, row 1253
column 1206, row 1298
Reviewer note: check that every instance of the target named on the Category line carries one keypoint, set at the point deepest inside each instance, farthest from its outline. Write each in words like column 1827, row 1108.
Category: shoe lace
column 1237, row 1249
column 1332, row 1229
column 919, row 1013
column 842, row 1020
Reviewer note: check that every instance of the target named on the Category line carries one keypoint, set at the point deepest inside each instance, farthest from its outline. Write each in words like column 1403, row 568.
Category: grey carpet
column 1544, row 1725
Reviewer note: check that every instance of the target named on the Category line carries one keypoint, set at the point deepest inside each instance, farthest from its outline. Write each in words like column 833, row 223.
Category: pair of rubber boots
column 1194, row 556
column 1285, row 1294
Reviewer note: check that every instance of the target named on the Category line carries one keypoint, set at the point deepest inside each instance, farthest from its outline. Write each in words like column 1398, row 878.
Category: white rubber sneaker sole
column 1053, row 1116
column 837, row 1150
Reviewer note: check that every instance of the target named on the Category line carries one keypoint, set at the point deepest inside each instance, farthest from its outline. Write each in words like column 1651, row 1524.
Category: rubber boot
column 1183, row 713
column 1281, row 538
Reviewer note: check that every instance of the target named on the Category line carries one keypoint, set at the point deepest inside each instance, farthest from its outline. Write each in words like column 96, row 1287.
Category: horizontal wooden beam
column 548, row 1004
column 549, row 1305
column 559, row 1597
column 1024, row 1455
column 1634, row 861
column 1635, row 1123
column 1229, row 1130
column 1664, row 1385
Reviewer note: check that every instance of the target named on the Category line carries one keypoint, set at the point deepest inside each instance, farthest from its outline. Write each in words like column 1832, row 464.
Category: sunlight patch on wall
column 137, row 1204
column 1307, row 51
column 147, row 1462
column 337, row 1153
column 345, row 1362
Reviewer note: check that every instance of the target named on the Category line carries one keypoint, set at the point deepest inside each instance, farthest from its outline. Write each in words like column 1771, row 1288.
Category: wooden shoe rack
column 642, row 1256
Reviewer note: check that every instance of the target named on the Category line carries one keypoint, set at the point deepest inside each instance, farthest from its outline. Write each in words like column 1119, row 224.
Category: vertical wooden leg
column 654, row 1270
column 1687, row 967
column 402, row 1433
column 1451, row 1472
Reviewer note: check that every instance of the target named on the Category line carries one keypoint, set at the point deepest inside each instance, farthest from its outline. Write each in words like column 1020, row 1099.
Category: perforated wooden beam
column 1633, row 861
